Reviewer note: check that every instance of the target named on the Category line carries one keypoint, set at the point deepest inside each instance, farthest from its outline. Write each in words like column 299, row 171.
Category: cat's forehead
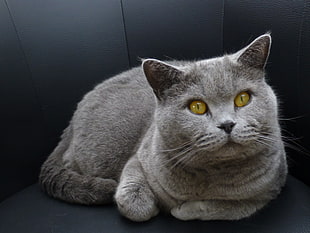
column 215, row 76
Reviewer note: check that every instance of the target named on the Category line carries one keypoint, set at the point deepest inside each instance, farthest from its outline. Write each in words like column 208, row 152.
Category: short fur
column 134, row 137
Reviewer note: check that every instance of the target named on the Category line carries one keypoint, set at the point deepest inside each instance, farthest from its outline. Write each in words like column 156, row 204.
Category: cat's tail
column 68, row 185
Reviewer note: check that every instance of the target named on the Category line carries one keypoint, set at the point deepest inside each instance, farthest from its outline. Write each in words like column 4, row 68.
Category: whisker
column 265, row 143
column 268, row 138
column 177, row 156
column 283, row 137
column 289, row 142
column 185, row 151
column 283, row 130
column 292, row 118
column 183, row 161
column 177, row 148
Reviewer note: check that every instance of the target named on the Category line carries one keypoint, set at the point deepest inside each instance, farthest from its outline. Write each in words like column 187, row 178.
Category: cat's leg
column 217, row 209
column 134, row 198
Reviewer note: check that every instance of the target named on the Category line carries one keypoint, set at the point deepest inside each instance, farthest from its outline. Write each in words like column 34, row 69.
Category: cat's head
column 219, row 108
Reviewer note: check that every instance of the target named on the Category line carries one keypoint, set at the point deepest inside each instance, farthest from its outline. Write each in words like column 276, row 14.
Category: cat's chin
column 229, row 150
column 232, row 150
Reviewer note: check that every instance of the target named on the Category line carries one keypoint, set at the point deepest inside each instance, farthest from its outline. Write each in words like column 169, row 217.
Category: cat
column 197, row 139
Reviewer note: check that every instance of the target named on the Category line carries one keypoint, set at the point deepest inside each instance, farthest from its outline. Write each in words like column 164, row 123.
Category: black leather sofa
column 53, row 52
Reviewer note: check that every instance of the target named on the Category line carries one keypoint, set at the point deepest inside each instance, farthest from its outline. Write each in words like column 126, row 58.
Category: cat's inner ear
column 160, row 75
column 256, row 54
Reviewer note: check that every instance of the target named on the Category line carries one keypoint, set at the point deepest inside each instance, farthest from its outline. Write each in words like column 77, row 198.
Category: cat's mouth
column 230, row 142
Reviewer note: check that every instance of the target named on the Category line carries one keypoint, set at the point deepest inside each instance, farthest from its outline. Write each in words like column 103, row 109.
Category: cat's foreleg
column 134, row 198
column 217, row 209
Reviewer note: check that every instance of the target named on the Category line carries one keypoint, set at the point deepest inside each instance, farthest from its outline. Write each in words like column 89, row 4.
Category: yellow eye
column 198, row 107
column 242, row 99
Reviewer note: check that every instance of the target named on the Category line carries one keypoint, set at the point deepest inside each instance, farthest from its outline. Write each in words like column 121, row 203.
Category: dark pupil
column 241, row 97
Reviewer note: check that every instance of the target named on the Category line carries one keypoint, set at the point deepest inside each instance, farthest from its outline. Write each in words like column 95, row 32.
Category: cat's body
column 225, row 163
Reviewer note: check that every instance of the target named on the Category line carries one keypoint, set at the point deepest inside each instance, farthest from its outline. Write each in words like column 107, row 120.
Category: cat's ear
column 160, row 75
column 256, row 54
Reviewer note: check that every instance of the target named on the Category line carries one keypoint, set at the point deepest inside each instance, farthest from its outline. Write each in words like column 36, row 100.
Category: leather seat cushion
column 32, row 211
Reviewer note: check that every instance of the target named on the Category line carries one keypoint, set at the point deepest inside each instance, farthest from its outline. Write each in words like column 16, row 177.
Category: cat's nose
column 227, row 126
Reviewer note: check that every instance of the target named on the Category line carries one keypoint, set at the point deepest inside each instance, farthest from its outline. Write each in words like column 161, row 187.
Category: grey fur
column 154, row 154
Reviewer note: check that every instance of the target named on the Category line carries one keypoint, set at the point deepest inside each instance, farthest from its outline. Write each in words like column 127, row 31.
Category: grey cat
column 200, row 140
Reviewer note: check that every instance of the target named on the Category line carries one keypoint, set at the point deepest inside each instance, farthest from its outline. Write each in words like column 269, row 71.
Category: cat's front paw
column 217, row 209
column 136, row 202
column 189, row 211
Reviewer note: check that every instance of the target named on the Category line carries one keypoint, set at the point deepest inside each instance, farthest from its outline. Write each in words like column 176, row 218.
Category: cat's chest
column 184, row 185
column 203, row 185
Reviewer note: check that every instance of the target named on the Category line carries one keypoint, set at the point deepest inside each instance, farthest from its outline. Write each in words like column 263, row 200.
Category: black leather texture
column 175, row 29
column 53, row 52
column 30, row 211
